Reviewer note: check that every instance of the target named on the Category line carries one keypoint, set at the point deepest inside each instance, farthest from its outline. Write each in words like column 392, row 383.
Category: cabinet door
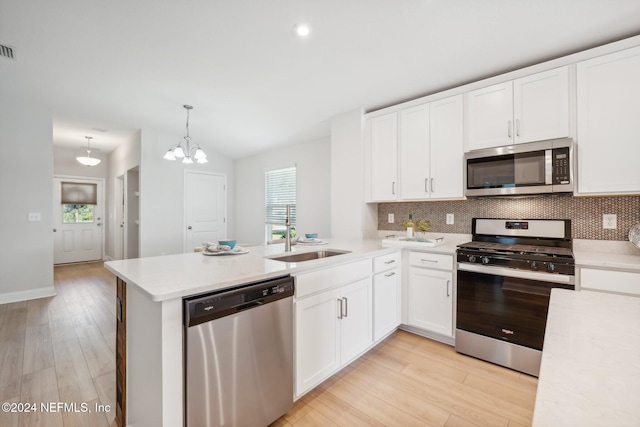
column 384, row 157
column 431, row 300
column 608, row 125
column 489, row 116
column 355, row 325
column 386, row 303
column 317, row 339
column 447, row 150
column 414, row 153
column 541, row 106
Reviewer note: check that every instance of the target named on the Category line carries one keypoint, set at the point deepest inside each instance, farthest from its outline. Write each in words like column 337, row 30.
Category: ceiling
column 126, row 65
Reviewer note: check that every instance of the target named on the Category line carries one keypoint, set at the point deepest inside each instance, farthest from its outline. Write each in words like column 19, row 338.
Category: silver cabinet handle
column 448, row 293
column 428, row 260
column 391, row 261
column 517, row 127
column 390, row 274
column 393, row 187
column 339, row 308
column 346, row 307
column 426, row 183
column 509, row 129
column 432, row 185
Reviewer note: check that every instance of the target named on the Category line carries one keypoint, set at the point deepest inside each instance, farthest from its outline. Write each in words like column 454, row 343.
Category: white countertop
column 590, row 371
column 176, row 276
column 607, row 260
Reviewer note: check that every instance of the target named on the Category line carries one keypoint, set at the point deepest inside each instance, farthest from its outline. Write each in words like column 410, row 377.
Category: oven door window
column 505, row 308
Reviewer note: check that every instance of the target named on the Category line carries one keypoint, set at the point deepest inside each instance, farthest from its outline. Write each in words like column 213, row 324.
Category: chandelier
column 185, row 149
column 88, row 160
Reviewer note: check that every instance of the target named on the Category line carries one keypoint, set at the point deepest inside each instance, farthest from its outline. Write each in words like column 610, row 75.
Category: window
column 78, row 202
column 279, row 191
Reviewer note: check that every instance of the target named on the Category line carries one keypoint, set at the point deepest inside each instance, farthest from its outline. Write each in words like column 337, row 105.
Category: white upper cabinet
column 414, row 153
column 429, row 143
column 608, row 90
column 531, row 108
column 384, row 158
column 446, row 152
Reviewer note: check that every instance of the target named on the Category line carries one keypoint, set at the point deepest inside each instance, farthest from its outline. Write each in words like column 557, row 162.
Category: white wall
column 351, row 217
column 26, row 185
column 65, row 163
column 162, row 193
column 313, row 161
column 126, row 156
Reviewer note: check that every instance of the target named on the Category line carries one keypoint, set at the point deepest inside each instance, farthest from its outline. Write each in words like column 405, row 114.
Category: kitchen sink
column 308, row 256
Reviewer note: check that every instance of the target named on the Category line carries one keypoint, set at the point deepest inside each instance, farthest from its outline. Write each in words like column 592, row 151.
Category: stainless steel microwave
column 530, row 168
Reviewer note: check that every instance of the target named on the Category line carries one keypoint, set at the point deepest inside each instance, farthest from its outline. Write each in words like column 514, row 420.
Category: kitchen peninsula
column 153, row 313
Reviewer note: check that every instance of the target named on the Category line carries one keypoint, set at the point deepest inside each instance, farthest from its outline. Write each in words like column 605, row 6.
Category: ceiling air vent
column 7, row 52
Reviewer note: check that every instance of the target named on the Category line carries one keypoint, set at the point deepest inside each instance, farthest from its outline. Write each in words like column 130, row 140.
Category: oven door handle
column 520, row 274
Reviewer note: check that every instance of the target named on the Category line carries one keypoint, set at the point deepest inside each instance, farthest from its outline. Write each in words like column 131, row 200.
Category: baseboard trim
column 8, row 297
column 428, row 334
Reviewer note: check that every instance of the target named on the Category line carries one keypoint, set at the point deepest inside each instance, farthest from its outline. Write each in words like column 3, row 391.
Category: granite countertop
column 606, row 254
column 590, row 371
column 176, row 276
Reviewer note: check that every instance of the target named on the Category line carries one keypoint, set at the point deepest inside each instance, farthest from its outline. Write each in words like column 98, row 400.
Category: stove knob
column 485, row 260
column 472, row 258
column 551, row 267
column 534, row 266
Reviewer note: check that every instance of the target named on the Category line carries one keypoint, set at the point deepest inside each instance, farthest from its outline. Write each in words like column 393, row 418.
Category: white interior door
column 206, row 208
column 78, row 227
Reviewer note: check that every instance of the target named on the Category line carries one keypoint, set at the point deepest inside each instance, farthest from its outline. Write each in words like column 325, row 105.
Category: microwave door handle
column 548, row 167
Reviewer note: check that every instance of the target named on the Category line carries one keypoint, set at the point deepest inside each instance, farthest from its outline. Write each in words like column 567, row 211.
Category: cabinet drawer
column 626, row 282
column 386, row 262
column 429, row 260
column 332, row 277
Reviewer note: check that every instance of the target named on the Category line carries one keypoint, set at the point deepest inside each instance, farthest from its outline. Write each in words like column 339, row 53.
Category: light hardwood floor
column 62, row 349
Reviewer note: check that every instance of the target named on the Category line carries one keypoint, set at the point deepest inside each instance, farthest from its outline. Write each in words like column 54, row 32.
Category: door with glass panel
column 77, row 220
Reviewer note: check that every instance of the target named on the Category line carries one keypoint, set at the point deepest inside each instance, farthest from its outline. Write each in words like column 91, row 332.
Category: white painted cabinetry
column 430, row 292
column 608, row 92
column 333, row 320
column 616, row 281
column 530, row 108
column 387, row 296
column 384, row 158
column 429, row 158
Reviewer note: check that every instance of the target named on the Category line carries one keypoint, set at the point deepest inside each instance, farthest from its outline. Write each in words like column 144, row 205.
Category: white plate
column 234, row 251
column 634, row 235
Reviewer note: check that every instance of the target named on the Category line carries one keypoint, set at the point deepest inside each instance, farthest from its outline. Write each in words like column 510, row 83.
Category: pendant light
column 185, row 150
column 88, row 160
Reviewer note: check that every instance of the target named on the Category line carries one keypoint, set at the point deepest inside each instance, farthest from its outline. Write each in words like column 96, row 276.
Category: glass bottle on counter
column 410, row 226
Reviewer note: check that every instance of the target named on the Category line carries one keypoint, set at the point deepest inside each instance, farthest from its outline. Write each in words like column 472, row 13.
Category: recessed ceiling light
column 302, row 30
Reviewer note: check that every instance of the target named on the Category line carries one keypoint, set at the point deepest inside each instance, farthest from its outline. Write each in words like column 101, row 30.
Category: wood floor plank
column 40, row 386
column 314, row 418
column 38, row 349
column 9, row 419
column 75, row 383
column 14, row 322
column 37, row 312
column 97, row 353
column 11, row 361
column 91, row 418
column 374, row 406
column 517, row 395
column 106, row 388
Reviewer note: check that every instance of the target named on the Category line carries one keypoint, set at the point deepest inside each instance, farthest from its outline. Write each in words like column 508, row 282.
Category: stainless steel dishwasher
column 239, row 355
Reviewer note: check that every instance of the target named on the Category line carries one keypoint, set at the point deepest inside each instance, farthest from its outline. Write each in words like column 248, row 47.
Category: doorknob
column 189, row 227
column 99, row 224
column 54, row 230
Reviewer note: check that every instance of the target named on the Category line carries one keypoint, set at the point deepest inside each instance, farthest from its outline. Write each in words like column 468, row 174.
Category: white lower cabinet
column 430, row 293
column 616, row 281
column 387, row 302
column 332, row 328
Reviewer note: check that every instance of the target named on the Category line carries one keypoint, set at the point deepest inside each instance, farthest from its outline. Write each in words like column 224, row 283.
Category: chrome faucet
column 287, row 237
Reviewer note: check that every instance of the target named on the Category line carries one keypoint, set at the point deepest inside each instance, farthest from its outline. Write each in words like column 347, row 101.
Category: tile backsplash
column 585, row 213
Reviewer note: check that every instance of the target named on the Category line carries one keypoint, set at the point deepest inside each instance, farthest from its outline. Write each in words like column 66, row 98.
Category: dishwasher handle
column 207, row 307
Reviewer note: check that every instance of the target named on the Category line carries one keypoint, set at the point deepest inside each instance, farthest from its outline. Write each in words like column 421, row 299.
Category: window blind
column 78, row 193
column 279, row 191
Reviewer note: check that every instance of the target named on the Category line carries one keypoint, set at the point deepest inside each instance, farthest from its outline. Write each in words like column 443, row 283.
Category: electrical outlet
column 391, row 219
column 450, row 219
column 34, row 216
column 610, row 221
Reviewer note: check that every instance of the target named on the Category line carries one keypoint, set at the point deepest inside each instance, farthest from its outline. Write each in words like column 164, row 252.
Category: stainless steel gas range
column 505, row 277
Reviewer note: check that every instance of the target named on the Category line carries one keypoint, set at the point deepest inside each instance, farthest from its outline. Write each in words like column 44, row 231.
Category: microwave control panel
column 561, row 166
